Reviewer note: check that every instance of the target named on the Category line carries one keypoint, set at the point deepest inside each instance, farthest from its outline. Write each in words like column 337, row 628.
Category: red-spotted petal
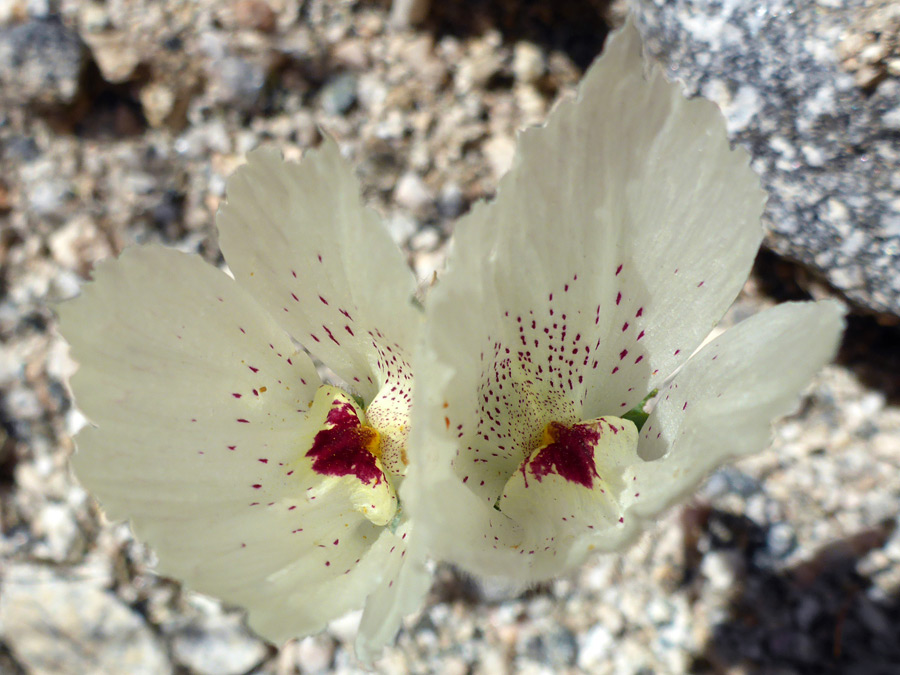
column 298, row 237
column 202, row 438
column 720, row 405
column 623, row 231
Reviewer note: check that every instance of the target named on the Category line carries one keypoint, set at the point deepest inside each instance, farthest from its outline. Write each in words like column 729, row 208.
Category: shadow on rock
column 869, row 347
column 576, row 27
column 820, row 616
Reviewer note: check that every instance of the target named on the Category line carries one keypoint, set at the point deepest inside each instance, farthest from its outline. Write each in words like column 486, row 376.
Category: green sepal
column 637, row 415
column 395, row 523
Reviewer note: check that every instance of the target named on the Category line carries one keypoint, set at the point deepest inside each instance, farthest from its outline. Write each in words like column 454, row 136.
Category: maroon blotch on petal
column 343, row 449
column 570, row 455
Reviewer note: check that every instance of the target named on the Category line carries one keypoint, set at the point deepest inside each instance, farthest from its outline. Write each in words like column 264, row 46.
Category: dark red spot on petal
column 570, row 455
column 343, row 449
column 330, row 335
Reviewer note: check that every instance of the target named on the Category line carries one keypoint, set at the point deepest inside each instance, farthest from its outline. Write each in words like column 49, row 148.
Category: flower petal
column 202, row 406
column 624, row 230
column 405, row 583
column 722, row 402
column 298, row 237
column 342, row 455
column 572, row 485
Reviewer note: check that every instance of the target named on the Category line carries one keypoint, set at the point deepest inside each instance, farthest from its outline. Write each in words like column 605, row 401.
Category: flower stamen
column 347, row 452
column 574, row 479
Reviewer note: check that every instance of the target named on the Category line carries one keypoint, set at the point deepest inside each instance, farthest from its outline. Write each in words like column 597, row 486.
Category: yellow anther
column 551, row 434
column 370, row 439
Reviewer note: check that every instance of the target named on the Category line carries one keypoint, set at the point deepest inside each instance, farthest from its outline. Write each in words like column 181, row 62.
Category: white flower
column 615, row 244
column 214, row 435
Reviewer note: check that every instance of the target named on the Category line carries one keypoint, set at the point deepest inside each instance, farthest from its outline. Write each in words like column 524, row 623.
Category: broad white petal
column 722, row 403
column 453, row 509
column 202, row 412
column 571, row 487
column 298, row 237
column 623, row 231
column 401, row 592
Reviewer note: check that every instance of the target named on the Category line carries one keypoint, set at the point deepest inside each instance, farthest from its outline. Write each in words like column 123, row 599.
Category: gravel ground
column 119, row 122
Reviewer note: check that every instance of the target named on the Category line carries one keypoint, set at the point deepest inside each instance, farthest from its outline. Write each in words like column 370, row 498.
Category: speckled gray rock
column 236, row 81
column 217, row 645
column 827, row 150
column 40, row 62
column 58, row 625
column 339, row 95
